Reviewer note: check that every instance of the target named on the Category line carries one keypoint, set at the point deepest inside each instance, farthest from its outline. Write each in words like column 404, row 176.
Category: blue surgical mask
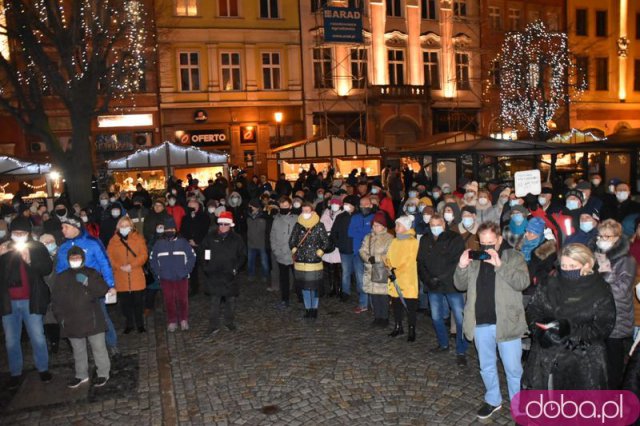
column 413, row 194
column 586, row 226
column 436, row 195
column 572, row 204
column 437, row 230
column 517, row 218
column 513, row 202
column 467, row 222
column 411, row 209
column 51, row 247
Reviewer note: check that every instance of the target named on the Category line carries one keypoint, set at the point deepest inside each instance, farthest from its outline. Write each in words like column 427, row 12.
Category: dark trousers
column 332, row 279
column 615, row 361
column 150, row 298
column 194, row 280
column 132, row 305
column 398, row 310
column 380, row 303
column 285, row 282
column 229, row 311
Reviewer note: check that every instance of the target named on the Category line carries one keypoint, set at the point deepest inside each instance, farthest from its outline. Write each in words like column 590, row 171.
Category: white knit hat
column 405, row 221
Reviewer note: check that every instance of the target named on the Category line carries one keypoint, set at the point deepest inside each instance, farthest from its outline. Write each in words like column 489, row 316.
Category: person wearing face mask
column 75, row 301
column 410, row 207
column 175, row 210
column 340, row 238
column 438, row 254
column 96, row 258
column 623, row 205
column 618, row 268
column 331, row 260
column 590, row 203
column 214, row 208
column 195, row 226
column 138, row 213
column 127, row 252
column 598, row 189
column 568, row 218
column 156, row 217
column 374, row 251
column 587, row 231
column 296, row 206
column 108, row 224
column 257, row 241
column 486, row 211
column 494, row 314
column 24, row 298
column 468, row 228
column 283, row 186
column 570, row 318
column 51, row 326
column 91, row 227
column 513, row 233
column 279, row 236
column 172, row 260
column 101, row 211
column 451, row 215
column 237, row 205
column 385, row 202
column 359, row 227
column 422, row 221
column 308, row 243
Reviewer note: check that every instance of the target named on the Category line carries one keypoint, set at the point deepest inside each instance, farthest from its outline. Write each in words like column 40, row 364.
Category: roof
column 486, row 147
column 167, row 154
column 16, row 167
column 326, row 147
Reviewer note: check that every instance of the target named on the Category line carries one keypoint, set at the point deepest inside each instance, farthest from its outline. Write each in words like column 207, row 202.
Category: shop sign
column 527, row 182
column 204, row 137
column 248, row 134
column 200, row 116
column 342, row 25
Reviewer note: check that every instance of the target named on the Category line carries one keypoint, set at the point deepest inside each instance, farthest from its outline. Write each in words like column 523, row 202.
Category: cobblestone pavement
column 275, row 369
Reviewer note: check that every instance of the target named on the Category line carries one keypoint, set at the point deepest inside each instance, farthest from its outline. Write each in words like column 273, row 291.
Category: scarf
column 518, row 229
column 528, row 246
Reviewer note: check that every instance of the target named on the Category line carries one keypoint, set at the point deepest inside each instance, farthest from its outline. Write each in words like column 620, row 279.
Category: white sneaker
column 172, row 327
column 184, row 325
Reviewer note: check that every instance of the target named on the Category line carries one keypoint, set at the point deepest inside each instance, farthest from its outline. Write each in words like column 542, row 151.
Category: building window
column 495, row 18
column 431, row 69
column 601, row 23
column 460, row 7
column 269, row 9
column 271, row 71
column 189, row 71
column 394, row 8
column 582, row 68
column 230, row 67
column 602, row 74
column 359, row 68
column 462, row 71
column 428, row 9
column 322, row 74
column 186, row 7
column 396, row 66
column 228, row 8
column 514, row 19
column 636, row 75
column 494, row 74
column 581, row 22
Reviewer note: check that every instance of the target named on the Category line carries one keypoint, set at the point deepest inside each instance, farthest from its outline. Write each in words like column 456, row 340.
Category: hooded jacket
column 95, row 255
column 543, row 262
column 279, row 237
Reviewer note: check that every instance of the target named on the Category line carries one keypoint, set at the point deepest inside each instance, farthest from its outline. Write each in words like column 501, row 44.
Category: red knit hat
column 381, row 218
column 226, row 217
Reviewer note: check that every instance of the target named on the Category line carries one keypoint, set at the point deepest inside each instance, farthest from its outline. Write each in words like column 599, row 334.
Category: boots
column 307, row 313
column 412, row 334
column 397, row 330
column 314, row 313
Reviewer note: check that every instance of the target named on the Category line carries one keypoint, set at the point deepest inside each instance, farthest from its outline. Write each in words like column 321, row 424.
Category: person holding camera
column 438, row 255
column 493, row 314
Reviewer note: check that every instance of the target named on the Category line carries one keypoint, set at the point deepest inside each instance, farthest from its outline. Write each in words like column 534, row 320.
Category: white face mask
column 448, row 217
column 3, row 233
column 348, row 208
column 604, row 245
column 125, row 231
column 75, row 264
column 115, row 213
column 335, row 207
column 297, row 205
column 375, row 190
column 20, row 239
column 622, row 196
column 306, row 216
column 483, row 201
column 85, row 219
column 112, row 200
column 211, row 210
column 426, row 218
column 172, row 202
column 596, row 182
column 542, row 201
column 104, row 202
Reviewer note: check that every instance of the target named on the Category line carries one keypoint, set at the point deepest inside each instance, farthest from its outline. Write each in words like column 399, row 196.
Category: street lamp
column 278, row 117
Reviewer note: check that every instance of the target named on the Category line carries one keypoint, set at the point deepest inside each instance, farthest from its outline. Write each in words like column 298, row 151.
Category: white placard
column 527, row 182
column 110, row 299
column 207, row 255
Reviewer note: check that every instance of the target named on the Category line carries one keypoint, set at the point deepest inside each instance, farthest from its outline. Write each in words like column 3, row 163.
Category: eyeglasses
column 607, row 237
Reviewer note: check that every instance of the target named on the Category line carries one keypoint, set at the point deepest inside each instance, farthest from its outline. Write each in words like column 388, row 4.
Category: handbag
column 379, row 272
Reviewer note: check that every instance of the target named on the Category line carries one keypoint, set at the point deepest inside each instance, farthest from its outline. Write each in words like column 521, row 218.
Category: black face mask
column 61, row 212
column 366, row 211
column 285, row 211
column 571, row 275
column 170, row 234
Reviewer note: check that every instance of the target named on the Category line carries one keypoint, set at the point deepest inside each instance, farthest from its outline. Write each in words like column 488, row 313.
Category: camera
column 478, row 255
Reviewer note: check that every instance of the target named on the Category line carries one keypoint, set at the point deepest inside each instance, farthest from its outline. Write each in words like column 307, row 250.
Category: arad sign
column 204, row 137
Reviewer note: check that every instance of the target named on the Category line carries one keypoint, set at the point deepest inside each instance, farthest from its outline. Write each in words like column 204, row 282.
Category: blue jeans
column 110, row 336
column 264, row 261
column 438, row 302
column 12, row 324
column 423, row 298
column 347, row 270
column 311, row 299
column 358, row 268
column 510, row 354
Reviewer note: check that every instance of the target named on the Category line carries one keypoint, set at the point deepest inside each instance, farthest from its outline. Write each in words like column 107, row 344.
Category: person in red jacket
column 384, row 200
column 175, row 210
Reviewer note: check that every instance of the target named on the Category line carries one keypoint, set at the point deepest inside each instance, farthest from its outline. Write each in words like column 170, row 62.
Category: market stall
column 27, row 178
column 343, row 154
column 151, row 166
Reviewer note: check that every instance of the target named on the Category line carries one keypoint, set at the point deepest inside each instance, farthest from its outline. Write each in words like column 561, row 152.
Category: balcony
column 400, row 92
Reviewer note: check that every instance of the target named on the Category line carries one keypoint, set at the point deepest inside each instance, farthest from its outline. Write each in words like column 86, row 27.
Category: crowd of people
column 547, row 281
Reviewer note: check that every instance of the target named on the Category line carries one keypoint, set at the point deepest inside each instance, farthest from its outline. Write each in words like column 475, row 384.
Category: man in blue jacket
column 359, row 227
column 96, row 258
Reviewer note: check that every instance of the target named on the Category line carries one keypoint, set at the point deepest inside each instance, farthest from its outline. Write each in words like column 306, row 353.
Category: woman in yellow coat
column 401, row 260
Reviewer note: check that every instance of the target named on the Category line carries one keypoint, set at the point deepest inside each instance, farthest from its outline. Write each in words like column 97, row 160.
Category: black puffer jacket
column 542, row 264
column 437, row 260
column 75, row 305
column 579, row 360
column 340, row 233
column 308, row 249
column 151, row 222
column 195, row 227
column 221, row 256
column 621, row 279
column 41, row 266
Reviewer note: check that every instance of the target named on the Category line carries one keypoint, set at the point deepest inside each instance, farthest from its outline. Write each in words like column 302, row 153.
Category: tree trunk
column 78, row 167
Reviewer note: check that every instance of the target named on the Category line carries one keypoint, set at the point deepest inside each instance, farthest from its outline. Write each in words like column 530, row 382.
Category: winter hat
column 336, row 200
column 76, row 251
column 170, row 223
column 381, row 218
column 21, row 223
column 536, row 226
column 575, row 193
column 226, row 217
column 74, row 221
column 582, row 185
column 376, row 182
column 255, row 202
column 351, row 199
column 469, row 209
column 520, row 209
column 405, row 221
column 426, row 201
column 614, row 181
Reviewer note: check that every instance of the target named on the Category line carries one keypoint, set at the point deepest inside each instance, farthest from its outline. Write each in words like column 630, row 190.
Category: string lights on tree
column 537, row 77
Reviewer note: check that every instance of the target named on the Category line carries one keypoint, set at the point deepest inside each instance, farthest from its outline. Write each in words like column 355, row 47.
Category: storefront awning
column 167, row 155
column 325, row 148
column 488, row 147
column 14, row 167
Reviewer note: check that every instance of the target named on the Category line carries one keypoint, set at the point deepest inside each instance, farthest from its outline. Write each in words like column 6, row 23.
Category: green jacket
column 511, row 278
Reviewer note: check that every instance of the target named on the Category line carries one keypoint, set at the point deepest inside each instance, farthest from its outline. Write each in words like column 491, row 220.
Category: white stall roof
column 168, row 154
column 15, row 167
column 327, row 147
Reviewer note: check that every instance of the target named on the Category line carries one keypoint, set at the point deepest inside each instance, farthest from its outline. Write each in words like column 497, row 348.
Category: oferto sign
column 204, row 137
